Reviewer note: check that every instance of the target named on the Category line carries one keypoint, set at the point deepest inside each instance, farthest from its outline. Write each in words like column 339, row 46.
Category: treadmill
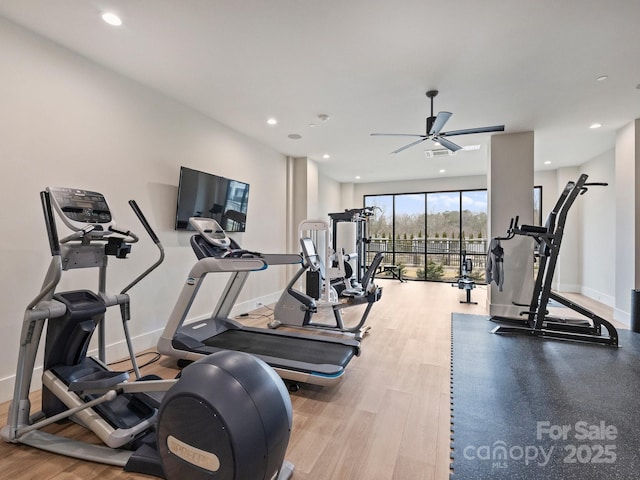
column 296, row 357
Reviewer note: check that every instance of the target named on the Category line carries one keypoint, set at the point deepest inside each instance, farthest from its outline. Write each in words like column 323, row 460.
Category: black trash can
column 635, row 311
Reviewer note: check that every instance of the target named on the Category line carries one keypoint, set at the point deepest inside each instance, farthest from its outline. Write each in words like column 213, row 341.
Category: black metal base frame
column 558, row 328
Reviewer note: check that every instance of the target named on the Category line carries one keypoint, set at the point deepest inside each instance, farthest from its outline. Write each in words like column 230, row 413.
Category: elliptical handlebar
column 78, row 235
column 129, row 236
column 52, row 231
column 136, row 209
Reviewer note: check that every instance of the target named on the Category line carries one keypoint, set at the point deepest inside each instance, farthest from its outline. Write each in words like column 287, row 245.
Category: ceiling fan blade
column 468, row 131
column 439, row 122
column 447, row 144
column 396, row 135
column 411, row 144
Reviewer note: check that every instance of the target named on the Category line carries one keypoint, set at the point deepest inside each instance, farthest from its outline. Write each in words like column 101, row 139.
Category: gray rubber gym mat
column 531, row 408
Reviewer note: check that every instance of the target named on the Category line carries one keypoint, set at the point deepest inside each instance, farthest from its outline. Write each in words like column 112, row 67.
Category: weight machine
column 329, row 283
column 340, row 226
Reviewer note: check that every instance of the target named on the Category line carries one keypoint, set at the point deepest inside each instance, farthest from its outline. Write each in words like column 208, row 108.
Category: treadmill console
column 211, row 231
column 79, row 208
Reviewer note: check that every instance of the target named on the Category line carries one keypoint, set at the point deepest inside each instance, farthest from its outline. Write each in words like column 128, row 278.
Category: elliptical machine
column 227, row 417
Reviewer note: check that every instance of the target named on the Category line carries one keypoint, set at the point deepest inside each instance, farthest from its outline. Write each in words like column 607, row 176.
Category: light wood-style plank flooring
column 387, row 419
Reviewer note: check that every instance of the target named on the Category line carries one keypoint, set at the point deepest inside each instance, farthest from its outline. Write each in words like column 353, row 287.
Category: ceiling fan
column 434, row 127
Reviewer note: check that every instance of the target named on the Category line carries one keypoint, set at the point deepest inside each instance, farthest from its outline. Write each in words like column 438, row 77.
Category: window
column 426, row 234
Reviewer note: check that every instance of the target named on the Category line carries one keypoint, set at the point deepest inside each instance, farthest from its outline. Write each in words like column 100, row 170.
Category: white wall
column 627, row 202
column 598, row 227
column 65, row 121
column 329, row 196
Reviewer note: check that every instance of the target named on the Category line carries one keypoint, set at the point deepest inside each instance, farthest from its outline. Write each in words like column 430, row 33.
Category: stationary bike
column 227, row 417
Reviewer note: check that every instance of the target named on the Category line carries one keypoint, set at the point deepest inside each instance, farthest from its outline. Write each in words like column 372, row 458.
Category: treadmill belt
column 289, row 348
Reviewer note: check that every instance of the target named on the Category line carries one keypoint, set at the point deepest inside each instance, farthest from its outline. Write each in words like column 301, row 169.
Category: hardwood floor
column 387, row 419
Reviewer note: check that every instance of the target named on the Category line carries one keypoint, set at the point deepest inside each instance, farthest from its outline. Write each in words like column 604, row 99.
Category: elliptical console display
column 81, row 208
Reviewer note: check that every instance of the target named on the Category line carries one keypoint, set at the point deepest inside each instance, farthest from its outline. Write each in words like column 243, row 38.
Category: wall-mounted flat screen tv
column 202, row 194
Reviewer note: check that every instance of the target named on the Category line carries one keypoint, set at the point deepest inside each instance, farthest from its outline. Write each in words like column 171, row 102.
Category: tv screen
column 202, row 194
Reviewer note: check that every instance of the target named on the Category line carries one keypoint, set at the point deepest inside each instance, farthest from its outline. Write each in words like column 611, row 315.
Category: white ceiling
column 527, row 64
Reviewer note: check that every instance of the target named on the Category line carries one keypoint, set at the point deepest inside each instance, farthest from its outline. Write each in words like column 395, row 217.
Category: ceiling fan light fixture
column 434, row 132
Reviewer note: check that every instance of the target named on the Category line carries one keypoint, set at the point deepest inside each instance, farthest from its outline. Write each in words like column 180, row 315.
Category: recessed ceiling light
column 326, row 156
column 357, row 177
column 548, row 162
column 312, row 125
column 602, row 78
column 595, row 125
column 272, row 121
column 112, row 19
column 294, row 136
column 469, row 148
column 442, row 170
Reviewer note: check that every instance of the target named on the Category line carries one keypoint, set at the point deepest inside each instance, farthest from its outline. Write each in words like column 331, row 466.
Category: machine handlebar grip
column 52, row 232
column 144, row 222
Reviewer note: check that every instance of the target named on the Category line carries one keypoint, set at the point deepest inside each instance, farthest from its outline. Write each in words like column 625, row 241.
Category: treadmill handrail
column 281, row 258
column 228, row 264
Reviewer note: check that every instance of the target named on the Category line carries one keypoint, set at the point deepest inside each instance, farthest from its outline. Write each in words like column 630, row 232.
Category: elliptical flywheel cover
column 228, row 417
